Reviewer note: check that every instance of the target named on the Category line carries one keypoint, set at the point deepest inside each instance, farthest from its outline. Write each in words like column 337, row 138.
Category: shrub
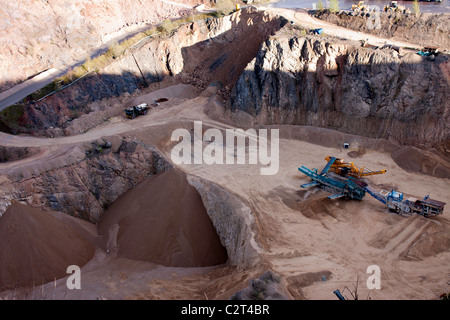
column 334, row 6
column 416, row 7
column 320, row 6
column 10, row 117
column 225, row 6
column 115, row 50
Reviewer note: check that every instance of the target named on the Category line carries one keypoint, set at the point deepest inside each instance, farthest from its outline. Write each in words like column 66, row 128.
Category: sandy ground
column 316, row 245
column 37, row 247
column 303, row 235
column 163, row 220
column 302, row 232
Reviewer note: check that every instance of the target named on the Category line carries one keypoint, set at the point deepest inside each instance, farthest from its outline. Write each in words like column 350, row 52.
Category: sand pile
column 163, row 220
column 415, row 160
column 434, row 240
column 36, row 247
column 180, row 91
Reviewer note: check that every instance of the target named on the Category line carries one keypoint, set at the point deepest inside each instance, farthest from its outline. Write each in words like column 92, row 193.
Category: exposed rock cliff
column 233, row 220
column 315, row 81
column 78, row 187
column 425, row 29
column 37, row 35
column 196, row 53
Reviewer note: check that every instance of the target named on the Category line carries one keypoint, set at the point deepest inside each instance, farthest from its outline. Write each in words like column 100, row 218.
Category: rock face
column 307, row 80
column 163, row 220
column 196, row 53
column 79, row 190
column 233, row 221
column 425, row 29
column 12, row 153
column 37, row 35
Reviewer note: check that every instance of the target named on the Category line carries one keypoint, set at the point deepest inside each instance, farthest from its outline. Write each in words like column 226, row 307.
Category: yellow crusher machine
column 343, row 168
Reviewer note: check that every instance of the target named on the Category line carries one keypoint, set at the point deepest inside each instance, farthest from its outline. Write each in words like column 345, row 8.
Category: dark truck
column 135, row 111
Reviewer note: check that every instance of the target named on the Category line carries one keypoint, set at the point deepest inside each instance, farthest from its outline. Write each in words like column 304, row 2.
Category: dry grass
column 416, row 7
column 10, row 117
column 117, row 50
column 225, row 6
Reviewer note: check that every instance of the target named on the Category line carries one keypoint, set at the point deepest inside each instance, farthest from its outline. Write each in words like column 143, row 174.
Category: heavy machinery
column 426, row 207
column 360, row 7
column 395, row 7
column 337, row 185
column 343, row 180
column 134, row 111
column 343, row 168
column 338, row 294
column 429, row 51
column 395, row 203
column 393, row 200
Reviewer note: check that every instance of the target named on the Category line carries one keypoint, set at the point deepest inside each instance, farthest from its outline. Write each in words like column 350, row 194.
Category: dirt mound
column 163, row 220
column 317, row 206
column 224, row 57
column 296, row 283
column 434, row 240
column 36, row 247
column 415, row 160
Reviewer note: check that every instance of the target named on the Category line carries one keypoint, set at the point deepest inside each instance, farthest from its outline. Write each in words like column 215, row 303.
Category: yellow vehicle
column 395, row 7
column 360, row 7
column 343, row 168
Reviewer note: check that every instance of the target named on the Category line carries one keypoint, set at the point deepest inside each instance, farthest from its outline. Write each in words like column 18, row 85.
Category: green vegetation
column 52, row 86
column 115, row 51
column 334, row 6
column 10, row 118
column 320, row 6
column 416, row 7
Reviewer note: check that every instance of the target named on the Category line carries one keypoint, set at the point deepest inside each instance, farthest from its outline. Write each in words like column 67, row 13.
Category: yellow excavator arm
column 349, row 169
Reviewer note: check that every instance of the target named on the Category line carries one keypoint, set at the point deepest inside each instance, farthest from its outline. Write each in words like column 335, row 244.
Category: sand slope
column 163, row 220
column 36, row 247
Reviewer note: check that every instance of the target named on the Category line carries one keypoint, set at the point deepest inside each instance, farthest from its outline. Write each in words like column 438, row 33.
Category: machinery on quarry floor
column 339, row 186
column 430, row 52
column 395, row 203
column 343, row 168
column 343, row 180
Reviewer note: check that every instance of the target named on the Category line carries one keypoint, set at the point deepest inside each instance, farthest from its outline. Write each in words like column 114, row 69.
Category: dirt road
column 301, row 17
column 317, row 245
column 304, row 236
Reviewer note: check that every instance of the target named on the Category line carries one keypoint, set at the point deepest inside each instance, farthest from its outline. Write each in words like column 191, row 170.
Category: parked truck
column 394, row 201
column 135, row 111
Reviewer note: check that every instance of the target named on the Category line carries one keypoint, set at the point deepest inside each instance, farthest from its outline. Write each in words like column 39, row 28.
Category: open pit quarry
column 81, row 184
